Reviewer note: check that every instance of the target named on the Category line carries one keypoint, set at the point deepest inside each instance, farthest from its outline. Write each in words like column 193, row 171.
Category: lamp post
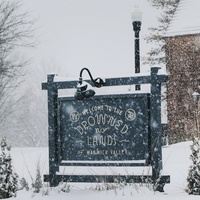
column 196, row 97
column 137, row 21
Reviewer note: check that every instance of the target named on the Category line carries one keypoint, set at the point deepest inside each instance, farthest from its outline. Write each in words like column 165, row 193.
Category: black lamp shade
column 84, row 91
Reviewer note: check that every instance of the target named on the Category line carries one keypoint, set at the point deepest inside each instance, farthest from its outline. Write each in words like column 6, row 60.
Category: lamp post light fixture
column 84, row 89
column 196, row 96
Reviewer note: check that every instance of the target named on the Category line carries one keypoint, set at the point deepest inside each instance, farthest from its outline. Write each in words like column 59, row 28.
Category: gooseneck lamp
column 84, row 89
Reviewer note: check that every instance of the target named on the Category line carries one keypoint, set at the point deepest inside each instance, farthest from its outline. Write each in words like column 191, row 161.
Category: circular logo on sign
column 74, row 116
column 130, row 114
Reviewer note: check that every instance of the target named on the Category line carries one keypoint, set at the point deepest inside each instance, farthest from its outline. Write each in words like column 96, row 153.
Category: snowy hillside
column 175, row 162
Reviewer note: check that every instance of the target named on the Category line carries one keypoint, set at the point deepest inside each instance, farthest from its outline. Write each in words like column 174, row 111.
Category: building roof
column 186, row 19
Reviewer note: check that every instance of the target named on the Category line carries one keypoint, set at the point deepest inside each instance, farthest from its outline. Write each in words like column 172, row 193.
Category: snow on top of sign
column 104, row 162
column 112, row 90
column 186, row 20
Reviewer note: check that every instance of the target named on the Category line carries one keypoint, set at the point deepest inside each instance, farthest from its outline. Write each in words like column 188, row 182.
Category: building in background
column 183, row 66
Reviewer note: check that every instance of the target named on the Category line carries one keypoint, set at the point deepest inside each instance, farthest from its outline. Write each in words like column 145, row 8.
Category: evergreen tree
column 37, row 185
column 156, row 55
column 193, row 178
column 8, row 179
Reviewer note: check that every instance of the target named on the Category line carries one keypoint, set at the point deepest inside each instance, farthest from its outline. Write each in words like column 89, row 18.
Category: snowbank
column 175, row 162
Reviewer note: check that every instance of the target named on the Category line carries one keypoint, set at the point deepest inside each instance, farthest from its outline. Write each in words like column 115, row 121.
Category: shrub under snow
column 8, row 179
column 193, row 178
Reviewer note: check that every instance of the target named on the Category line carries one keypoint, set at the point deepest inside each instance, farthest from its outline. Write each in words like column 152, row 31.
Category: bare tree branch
column 16, row 33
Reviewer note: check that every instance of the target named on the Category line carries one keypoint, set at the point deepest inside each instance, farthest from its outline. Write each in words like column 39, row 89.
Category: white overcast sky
column 96, row 34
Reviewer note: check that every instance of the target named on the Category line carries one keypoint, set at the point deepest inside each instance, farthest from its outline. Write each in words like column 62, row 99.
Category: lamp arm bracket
column 98, row 82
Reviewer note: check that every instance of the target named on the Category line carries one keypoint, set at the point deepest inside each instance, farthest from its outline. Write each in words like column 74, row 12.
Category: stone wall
column 183, row 65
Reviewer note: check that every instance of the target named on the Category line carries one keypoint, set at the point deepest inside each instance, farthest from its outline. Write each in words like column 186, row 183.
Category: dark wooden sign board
column 106, row 130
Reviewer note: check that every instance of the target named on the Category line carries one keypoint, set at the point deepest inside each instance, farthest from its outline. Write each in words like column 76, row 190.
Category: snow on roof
column 186, row 20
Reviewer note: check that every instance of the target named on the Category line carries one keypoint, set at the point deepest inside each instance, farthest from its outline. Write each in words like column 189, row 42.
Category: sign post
column 106, row 130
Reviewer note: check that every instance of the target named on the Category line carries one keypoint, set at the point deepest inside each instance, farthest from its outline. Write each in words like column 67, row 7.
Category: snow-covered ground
column 175, row 163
